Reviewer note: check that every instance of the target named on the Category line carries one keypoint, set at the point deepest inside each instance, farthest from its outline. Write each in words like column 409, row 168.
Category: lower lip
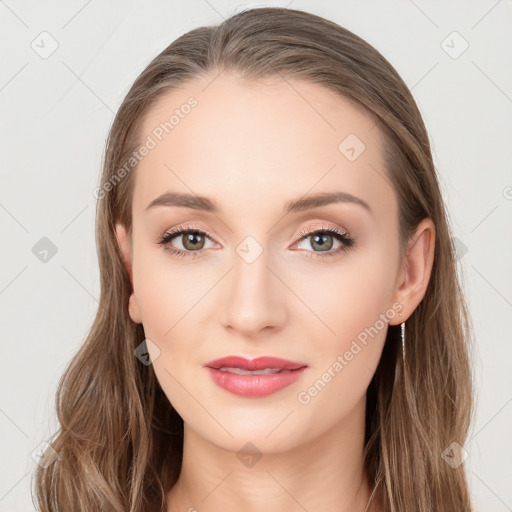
column 255, row 385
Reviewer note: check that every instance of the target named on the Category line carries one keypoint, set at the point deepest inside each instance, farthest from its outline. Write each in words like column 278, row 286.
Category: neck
column 325, row 474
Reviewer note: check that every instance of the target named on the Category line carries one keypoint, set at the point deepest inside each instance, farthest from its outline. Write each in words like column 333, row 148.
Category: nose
column 255, row 296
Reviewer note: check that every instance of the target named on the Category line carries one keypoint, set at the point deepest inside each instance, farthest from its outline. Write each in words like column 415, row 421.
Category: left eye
column 322, row 241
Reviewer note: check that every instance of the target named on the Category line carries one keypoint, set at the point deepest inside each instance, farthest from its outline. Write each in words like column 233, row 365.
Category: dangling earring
column 402, row 335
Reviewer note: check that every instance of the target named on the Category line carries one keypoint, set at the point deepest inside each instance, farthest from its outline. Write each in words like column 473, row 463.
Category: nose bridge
column 254, row 300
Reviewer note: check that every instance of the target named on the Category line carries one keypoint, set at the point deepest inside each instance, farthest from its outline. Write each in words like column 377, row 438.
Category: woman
column 280, row 322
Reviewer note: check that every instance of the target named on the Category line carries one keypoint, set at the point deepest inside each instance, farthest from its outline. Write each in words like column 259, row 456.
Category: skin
column 253, row 146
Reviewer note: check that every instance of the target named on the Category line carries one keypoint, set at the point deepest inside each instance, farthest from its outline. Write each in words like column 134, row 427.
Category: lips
column 260, row 363
column 254, row 378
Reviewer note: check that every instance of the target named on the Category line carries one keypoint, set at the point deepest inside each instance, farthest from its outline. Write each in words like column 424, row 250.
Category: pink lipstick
column 254, row 378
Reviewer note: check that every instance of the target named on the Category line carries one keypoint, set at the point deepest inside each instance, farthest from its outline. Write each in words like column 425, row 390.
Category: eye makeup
column 345, row 240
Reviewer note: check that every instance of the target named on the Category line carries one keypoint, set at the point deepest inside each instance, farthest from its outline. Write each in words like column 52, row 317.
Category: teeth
column 241, row 371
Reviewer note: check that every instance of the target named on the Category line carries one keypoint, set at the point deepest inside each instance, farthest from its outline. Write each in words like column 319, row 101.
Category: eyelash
column 342, row 236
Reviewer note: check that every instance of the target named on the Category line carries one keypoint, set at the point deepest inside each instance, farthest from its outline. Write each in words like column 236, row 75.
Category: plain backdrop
column 65, row 68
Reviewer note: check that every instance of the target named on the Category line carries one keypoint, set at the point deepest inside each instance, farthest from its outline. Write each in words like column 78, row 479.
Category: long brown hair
column 120, row 443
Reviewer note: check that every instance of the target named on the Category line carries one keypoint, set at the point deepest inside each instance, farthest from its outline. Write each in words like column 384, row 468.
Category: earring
column 402, row 336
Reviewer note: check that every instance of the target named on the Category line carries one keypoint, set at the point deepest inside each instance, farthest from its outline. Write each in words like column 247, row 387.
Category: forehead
column 241, row 141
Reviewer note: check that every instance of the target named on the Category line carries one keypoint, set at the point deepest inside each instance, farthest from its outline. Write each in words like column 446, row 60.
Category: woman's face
column 261, row 282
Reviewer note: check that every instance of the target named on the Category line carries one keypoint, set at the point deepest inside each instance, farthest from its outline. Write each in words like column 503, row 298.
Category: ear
column 125, row 248
column 412, row 281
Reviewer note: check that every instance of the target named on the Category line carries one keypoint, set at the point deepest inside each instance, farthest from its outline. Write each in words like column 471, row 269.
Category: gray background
column 56, row 111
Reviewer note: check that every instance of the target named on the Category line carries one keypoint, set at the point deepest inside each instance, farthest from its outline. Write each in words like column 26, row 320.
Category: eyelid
column 321, row 227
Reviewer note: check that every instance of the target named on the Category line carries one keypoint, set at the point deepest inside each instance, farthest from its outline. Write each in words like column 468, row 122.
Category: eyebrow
column 304, row 203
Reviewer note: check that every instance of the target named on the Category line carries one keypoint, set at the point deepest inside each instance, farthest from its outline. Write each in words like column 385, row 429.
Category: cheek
column 169, row 302
column 165, row 294
column 343, row 300
column 354, row 308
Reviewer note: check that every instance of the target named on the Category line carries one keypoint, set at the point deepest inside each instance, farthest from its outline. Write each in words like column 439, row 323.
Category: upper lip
column 260, row 363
